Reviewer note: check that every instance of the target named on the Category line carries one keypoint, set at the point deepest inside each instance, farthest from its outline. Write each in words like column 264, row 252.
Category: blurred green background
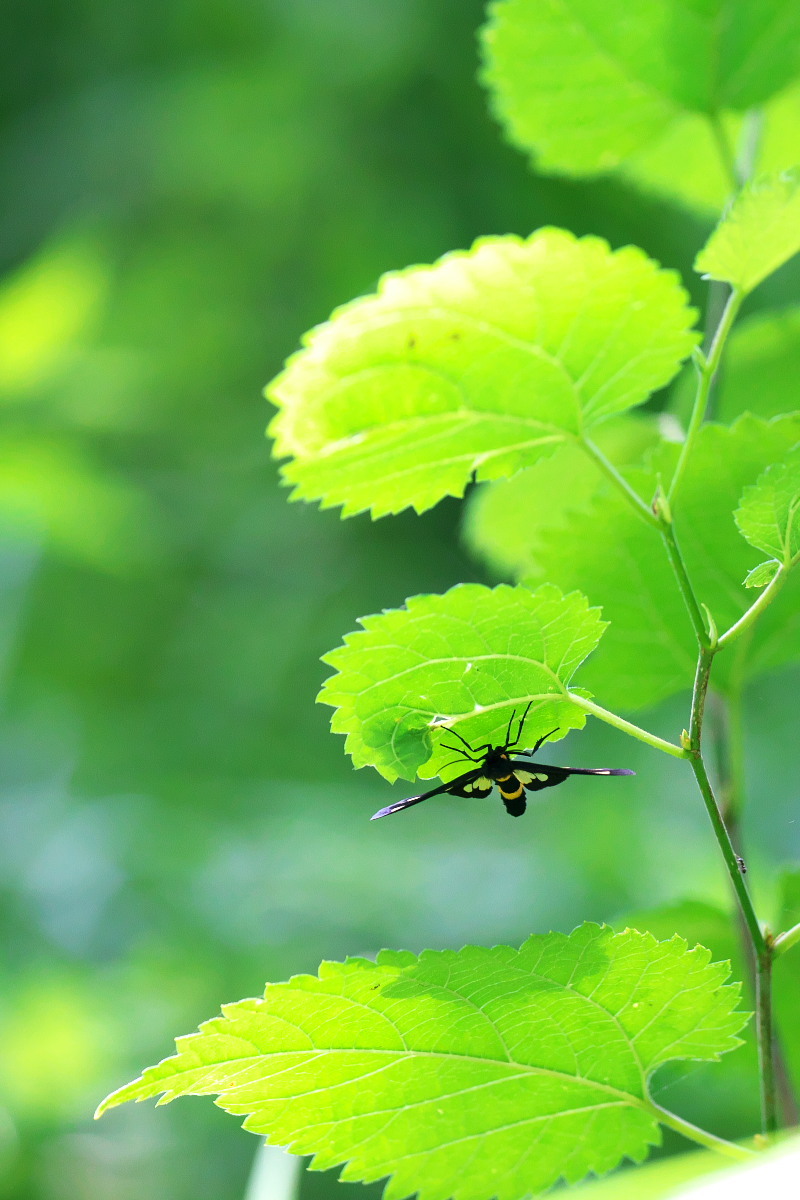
column 185, row 188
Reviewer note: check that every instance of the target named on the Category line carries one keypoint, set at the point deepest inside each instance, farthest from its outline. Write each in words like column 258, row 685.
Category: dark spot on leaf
column 455, row 336
column 411, row 342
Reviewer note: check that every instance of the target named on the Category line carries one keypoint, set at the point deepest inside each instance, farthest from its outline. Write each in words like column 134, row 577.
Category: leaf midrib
column 519, row 1070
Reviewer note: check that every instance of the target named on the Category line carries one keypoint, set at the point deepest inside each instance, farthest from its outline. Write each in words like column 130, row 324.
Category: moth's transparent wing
column 456, row 787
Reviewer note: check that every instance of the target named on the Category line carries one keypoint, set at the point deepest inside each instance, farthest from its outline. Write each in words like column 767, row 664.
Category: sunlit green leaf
column 470, row 1074
column 769, row 514
column 505, row 521
column 584, row 84
column 474, row 654
column 478, row 365
column 730, row 1088
column 763, row 574
column 619, row 562
column 758, row 233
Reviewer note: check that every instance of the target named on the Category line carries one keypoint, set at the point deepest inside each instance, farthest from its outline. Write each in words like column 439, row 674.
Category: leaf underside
column 474, row 367
column 585, row 85
column 471, row 1074
column 469, row 657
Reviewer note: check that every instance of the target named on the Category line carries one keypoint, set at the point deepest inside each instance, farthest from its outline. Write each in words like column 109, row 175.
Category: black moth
column 512, row 776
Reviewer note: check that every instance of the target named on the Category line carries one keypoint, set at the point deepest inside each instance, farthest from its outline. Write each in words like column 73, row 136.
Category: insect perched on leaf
column 513, row 776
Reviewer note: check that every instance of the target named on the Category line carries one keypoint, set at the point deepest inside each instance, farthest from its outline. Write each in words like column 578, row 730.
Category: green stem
column 755, row 610
column 707, row 367
column 785, row 941
column 702, row 1136
column 729, row 855
column 684, row 583
column 619, row 482
column 765, row 1039
column 620, row 723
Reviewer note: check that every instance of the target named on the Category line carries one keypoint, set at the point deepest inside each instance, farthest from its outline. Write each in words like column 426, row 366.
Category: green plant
column 495, row 1072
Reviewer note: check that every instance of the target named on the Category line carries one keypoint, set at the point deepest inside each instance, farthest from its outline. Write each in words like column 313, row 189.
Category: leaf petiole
column 755, row 610
column 785, row 941
column 701, row 1136
column 635, row 731
column 707, row 366
column 619, row 481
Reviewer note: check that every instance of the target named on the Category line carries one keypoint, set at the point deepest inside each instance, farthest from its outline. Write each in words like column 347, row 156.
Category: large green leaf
column 759, row 232
column 470, row 658
column 649, row 650
column 471, row 1074
column 769, row 514
column 478, row 365
column 584, row 84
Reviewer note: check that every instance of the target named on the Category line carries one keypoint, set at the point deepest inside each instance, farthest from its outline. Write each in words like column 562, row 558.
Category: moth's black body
column 513, row 776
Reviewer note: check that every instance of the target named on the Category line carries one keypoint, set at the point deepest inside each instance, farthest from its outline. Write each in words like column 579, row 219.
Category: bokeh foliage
column 185, row 188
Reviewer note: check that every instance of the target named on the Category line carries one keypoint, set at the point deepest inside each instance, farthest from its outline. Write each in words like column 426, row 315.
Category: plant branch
column 702, row 1136
column 701, row 775
column 684, row 583
column 707, row 367
column 627, row 727
column 755, row 610
column 766, row 1039
column 762, row 950
column 785, row 941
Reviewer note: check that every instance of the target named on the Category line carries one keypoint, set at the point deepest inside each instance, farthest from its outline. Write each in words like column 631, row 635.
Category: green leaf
column 504, row 522
column 469, row 1074
column 606, row 551
column 728, row 1089
column 762, row 369
column 769, row 514
column 480, row 364
column 759, row 232
column 763, row 574
column 468, row 658
column 584, row 84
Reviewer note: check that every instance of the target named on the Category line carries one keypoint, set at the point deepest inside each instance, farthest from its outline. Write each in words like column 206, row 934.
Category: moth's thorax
column 496, row 762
